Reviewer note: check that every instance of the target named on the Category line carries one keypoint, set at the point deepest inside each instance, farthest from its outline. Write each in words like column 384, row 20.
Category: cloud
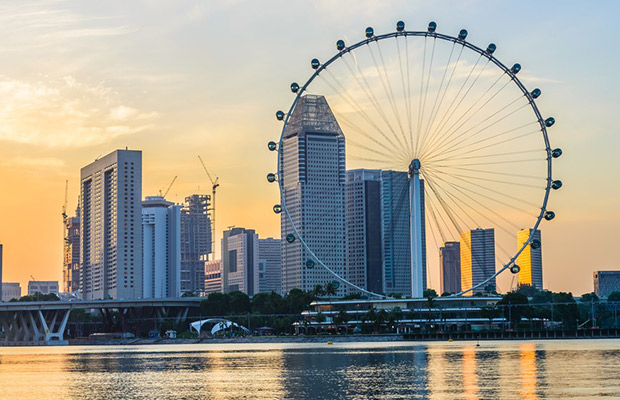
column 65, row 113
column 34, row 163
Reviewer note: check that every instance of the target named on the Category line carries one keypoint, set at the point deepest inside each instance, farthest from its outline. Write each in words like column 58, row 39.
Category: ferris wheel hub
column 414, row 167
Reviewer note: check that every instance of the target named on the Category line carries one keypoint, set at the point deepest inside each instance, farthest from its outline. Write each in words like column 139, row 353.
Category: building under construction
column 196, row 242
column 71, row 254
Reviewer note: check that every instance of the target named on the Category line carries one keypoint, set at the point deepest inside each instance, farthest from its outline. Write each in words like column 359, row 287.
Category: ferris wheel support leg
column 415, row 215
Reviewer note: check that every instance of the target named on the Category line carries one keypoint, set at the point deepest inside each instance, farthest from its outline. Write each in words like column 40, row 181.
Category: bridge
column 45, row 322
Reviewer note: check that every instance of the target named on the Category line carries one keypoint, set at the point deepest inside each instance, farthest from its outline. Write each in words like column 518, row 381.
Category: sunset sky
column 177, row 79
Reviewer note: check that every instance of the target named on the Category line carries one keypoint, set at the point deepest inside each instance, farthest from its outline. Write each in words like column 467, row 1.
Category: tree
column 527, row 290
column 188, row 294
column 515, row 305
column 490, row 312
column 567, row 310
column 330, row 289
column 318, row 291
column 267, row 303
column 589, row 298
column 614, row 296
column 38, row 296
column 297, row 301
column 217, row 304
column 239, row 302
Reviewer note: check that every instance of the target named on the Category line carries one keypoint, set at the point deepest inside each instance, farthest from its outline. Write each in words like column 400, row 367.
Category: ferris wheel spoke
column 367, row 135
column 353, row 103
column 435, row 111
column 454, row 105
column 452, row 130
column 520, row 200
column 406, row 90
column 422, row 73
column 421, row 134
column 504, row 182
column 510, row 153
column 361, row 80
column 387, row 86
column 484, row 196
column 453, row 142
column 459, row 199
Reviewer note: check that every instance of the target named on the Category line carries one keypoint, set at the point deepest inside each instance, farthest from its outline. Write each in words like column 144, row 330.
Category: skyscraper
column 240, row 261
column 269, row 265
column 606, row 282
column 477, row 258
column 530, row 260
column 161, row 248
column 313, row 181
column 195, row 242
column 213, row 276
column 364, row 232
column 450, row 267
column 0, row 271
column 71, row 256
column 111, row 234
column 397, row 233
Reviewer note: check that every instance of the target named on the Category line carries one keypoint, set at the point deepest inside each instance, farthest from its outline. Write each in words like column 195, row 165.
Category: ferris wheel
column 454, row 138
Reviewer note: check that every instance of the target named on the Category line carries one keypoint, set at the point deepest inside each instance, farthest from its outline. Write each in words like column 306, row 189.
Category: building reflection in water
column 470, row 375
column 529, row 372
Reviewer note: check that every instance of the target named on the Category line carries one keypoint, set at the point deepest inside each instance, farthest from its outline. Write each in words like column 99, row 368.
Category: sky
column 80, row 79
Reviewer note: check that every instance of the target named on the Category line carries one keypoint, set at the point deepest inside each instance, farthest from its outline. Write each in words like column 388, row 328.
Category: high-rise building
column 71, row 256
column 10, row 291
column 240, row 261
column 213, row 276
column 111, row 227
column 269, row 265
column 364, row 229
column 450, row 267
column 43, row 287
column 606, row 282
column 161, row 248
column 530, row 260
column 313, row 181
column 477, row 259
column 397, row 233
column 196, row 242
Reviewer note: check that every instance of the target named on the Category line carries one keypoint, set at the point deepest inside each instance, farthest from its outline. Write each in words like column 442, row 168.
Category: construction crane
column 169, row 187
column 214, row 186
column 64, row 212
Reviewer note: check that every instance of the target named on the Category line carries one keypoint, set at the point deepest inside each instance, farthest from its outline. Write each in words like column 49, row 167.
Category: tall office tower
column 111, row 227
column 240, row 261
column 269, row 265
column 196, row 242
column 477, row 259
column 71, row 256
column 606, row 282
column 313, row 181
column 450, row 267
column 161, row 248
column 213, row 276
column 397, row 233
column 363, row 213
column 530, row 260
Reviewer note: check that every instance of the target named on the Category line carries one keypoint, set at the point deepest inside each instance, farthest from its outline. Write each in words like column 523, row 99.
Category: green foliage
column 567, row 313
column 330, row 289
column 430, row 294
column 354, row 296
column 527, row 290
column 267, row 303
column 589, row 298
column 515, row 306
column 188, row 294
column 446, row 294
column 239, row 302
column 40, row 297
column 216, row 304
column 613, row 297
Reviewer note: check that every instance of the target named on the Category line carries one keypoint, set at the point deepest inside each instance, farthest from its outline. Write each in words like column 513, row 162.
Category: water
column 458, row 370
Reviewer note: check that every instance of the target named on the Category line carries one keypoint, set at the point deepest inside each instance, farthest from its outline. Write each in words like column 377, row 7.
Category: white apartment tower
column 111, row 234
column 161, row 248
column 269, row 265
column 313, row 182
column 240, row 261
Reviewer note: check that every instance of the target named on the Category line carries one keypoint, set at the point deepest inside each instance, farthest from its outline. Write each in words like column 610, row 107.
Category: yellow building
column 530, row 260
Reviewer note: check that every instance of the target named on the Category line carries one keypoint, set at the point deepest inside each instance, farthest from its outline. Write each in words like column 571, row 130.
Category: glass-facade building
column 312, row 177
column 477, row 259
column 450, row 267
column 606, row 282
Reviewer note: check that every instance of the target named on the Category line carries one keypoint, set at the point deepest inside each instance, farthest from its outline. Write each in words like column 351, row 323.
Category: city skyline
column 40, row 158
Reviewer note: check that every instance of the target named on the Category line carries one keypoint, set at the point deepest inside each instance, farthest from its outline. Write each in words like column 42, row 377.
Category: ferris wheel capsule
column 491, row 48
column 336, row 284
column 340, row 44
column 463, row 34
column 432, row 26
column 315, row 64
column 290, row 238
column 535, row 244
column 400, row 26
column 516, row 68
column 279, row 115
column 549, row 122
column 309, row 264
column 277, row 209
column 555, row 153
column 515, row 269
column 370, row 32
column 271, row 177
column 549, row 215
column 272, row 146
column 536, row 93
column 555, row 185
column 294, row 87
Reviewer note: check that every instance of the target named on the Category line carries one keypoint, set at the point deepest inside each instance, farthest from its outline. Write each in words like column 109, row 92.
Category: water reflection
column 504, row 370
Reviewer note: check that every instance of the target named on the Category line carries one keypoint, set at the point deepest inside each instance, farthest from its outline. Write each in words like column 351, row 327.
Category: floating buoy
column 330, row 342
column 450, row 340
